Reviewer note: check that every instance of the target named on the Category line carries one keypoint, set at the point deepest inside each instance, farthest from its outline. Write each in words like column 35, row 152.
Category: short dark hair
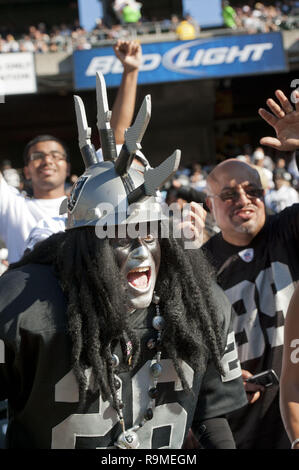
column 44, row 138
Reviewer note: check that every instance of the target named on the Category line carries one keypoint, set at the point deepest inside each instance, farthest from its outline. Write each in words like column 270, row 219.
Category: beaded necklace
column 128, row 439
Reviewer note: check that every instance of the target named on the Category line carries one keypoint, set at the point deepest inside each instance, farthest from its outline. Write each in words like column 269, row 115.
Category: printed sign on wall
column 187, row 60
column 17, row 73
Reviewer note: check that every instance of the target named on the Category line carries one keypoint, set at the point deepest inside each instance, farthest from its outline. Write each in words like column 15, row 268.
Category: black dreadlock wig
column 97, row 295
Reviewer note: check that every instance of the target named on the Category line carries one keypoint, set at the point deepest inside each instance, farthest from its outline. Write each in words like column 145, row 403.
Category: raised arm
column 129, row 53
column 289, row 381
column 285, row 121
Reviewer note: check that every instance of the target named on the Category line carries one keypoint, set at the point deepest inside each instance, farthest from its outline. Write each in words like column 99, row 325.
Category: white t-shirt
column 18, row 216
column 279, row 199
column 44, row 229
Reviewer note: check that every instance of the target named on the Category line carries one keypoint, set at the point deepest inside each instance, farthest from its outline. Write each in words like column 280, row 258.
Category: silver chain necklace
column 128, row 439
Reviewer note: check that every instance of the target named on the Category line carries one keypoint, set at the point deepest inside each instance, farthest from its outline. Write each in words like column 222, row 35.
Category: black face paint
column 139, row 261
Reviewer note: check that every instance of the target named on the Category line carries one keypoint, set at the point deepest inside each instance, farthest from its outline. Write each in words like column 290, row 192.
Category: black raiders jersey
column 258, row 279
column 43, row 394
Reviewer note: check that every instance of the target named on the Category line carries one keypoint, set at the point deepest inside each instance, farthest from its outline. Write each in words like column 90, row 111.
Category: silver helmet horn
column 110, row 192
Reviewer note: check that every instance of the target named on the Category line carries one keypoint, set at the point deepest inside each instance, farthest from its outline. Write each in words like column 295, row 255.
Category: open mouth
column 244, row 213
column 139, row 277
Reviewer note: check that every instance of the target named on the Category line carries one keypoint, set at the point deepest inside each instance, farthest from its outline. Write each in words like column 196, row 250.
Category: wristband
column 294, row 443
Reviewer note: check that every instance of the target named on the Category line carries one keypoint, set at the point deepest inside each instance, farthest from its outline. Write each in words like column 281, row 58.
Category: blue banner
column 187, row 60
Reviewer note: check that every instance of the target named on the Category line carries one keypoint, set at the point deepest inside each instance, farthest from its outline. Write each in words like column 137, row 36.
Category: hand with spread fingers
column 285, row 121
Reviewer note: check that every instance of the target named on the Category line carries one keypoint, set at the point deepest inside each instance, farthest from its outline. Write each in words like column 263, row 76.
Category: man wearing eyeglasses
column 46, row 163
column 257, row 264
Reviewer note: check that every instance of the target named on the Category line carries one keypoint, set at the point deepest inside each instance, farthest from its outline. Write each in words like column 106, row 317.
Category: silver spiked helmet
column 111, row 192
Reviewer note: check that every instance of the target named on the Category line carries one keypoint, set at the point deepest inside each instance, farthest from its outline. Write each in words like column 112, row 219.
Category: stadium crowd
column 251, row 241
column 279, row 177
column 252, row 18
column 256, row 17
column 250, row 236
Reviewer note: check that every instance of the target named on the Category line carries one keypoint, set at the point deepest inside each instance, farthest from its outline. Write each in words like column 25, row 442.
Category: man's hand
column 253, row 391
column 129, row 53
column 193, row 224
column 285, row 121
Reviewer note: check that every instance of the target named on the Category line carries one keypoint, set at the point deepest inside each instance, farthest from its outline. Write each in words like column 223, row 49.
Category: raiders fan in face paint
column 46, row 165
column 257, row 262
column 116, row 337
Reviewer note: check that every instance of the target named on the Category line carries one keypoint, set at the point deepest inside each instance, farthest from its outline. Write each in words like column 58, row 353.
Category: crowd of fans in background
column 251, row 18
column 255, row 17
column 279, row 177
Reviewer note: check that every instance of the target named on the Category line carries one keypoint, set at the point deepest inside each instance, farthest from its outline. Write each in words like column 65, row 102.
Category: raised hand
column 285, row 121
column 129, row 53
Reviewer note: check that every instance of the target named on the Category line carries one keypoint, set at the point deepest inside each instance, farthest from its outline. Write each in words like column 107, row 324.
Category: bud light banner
column 187, row 60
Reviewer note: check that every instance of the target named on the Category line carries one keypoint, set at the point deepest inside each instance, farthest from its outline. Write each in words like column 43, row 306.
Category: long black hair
column 97, row 298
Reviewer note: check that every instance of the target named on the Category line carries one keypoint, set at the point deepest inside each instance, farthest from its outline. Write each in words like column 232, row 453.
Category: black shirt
column 43, row 394
column 259, row 281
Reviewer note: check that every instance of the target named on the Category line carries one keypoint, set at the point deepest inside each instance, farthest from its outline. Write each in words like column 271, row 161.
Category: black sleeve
column 215, row 433
column 221, row 394
column 285, row 225
column 3, row 382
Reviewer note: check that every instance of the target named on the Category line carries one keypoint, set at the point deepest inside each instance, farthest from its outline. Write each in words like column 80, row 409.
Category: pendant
column 128, row 440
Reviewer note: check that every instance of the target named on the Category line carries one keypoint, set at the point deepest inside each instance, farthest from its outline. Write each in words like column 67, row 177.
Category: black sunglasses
column 233, row 194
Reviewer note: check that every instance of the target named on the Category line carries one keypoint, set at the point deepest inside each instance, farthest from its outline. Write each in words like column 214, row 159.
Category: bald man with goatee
column 257, row 262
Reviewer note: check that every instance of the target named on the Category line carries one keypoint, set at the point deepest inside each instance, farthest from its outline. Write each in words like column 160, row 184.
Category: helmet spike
column 133, row 137
column 155, row 178
column 103, row 120
column 84, row 133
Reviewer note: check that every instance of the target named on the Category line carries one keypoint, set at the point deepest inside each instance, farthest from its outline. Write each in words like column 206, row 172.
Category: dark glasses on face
column 233, row 194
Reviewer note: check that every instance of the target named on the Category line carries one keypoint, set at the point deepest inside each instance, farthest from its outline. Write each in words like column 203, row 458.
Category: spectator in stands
column 258, row 159
column 198, row 177
column 26, row 44
column 260, row 18
column 252, row 23
column 244, row 158
column 257, row 18
column 229, row 15
column 100, row 30
column 82, row 43
column 280, row 164
column 131, row 12
column 283, row 194
column 46, row 163
column 117, row 32
column 257, row 264
column 10, row 45
column 65, row 30
column 259, row 154
column 185, row 30
column 193, row 21
column 118, row 6
column 174, row 22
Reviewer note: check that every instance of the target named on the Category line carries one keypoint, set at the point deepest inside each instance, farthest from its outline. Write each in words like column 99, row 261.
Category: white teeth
column 139, row 270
